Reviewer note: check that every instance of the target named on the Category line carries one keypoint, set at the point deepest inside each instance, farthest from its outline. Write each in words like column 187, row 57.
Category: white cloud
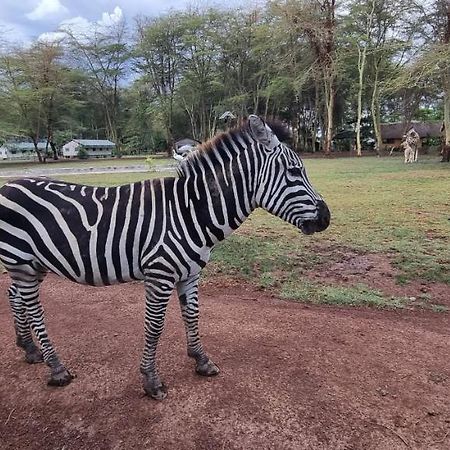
column 110, row 19
column 80, row 26
column 46, row 8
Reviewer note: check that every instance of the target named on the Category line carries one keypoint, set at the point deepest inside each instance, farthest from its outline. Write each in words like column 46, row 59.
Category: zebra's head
column 283, row 188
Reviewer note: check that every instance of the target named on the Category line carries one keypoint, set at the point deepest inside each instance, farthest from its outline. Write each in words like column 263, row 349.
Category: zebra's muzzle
column 321, row 223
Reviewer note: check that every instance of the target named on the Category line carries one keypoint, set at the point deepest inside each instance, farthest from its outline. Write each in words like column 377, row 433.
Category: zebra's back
column 91, row 235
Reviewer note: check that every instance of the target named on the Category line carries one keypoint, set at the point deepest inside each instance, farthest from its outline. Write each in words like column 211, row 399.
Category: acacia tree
column 428, row 72
column 25, row 109
column 359, row 25
column 103, row 54
column 49, row 79
column 321, row 29
column 316, row 20
column 36, row 84
column 395, row 25
column 159, row 61
column 199, row 89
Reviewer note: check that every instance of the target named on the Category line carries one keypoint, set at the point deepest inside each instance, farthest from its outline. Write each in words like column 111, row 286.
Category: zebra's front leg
column 188, row 296
column 24, row 337
column 157, row 294
column 29, row 291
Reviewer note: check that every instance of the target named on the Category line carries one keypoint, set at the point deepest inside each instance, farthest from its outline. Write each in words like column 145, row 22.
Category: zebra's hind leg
column 29, row 291
column 24, row 338
column 157, row 294
column 188, row 296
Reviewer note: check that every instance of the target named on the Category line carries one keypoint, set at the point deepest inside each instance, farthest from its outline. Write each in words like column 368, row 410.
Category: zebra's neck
column 220, row 184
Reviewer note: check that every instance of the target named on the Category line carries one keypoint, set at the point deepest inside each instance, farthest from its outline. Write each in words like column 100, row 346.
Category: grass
column 378, row 205
column 358, row 295
column 381, row 205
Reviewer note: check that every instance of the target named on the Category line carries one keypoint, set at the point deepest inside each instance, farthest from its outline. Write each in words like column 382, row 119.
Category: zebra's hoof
column 208, row 369
column 59, row 379
column 34, row 357
column 156, row 392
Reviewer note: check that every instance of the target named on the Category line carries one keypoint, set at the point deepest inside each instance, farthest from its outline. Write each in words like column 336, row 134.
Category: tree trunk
column 316, row 115
column 50, row 129
column 446, row 83
column 361, row 65
column 447, row 108
column 41, row 158
column 329, row 99
column 375, row 108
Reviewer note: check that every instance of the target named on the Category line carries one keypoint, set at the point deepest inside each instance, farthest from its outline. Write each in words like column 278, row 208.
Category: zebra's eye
column 295, row 171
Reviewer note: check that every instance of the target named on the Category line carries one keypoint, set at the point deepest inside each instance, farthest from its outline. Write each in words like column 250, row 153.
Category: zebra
column 412, row 142
column 409, row 151
column 160, row 231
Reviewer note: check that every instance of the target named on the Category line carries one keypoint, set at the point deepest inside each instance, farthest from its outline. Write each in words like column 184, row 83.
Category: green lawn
column 378, row 206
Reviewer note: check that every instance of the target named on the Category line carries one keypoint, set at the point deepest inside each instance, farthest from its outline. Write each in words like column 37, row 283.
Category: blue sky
column 26, row 20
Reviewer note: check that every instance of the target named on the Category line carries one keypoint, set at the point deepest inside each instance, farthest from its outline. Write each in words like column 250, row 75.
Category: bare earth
column 293, row 376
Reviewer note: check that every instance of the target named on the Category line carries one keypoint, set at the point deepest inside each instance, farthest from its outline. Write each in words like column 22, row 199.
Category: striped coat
column 160, row 231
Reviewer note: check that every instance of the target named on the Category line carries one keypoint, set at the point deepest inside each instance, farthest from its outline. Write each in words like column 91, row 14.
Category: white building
column 20, row 150
column 95, row 148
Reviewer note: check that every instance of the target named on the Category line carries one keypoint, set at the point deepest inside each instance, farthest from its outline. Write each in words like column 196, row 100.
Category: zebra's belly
column 92, row 269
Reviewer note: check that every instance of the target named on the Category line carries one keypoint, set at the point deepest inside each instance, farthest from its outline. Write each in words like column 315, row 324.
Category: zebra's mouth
column 308, row 227
column 318, row 224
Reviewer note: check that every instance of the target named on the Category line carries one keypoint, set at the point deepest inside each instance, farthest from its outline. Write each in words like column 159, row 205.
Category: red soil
column 293, row 376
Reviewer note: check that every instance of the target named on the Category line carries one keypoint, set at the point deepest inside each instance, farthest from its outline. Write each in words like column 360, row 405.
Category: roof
column 227, row 115
column 27, row 146
column 396, row 130
column 95, row 142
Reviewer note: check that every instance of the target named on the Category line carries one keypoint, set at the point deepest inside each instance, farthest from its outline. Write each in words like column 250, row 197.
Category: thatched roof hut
column 392, row 133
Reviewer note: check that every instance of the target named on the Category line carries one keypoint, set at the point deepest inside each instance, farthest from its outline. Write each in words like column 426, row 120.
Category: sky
column 26, row 20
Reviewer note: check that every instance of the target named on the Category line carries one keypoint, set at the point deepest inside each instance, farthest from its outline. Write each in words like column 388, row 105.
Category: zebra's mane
column 216, row 144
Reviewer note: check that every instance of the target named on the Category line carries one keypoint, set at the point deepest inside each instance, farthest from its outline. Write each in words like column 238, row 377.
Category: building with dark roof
column 392, row 133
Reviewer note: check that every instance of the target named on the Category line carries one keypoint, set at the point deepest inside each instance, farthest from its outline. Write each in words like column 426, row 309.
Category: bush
column 82, row 153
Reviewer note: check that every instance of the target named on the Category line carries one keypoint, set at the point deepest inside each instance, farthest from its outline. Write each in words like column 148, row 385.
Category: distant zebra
column 412, row 142
column 160, row 231
column 409, row 152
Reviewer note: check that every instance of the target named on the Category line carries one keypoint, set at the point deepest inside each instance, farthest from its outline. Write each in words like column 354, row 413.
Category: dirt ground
column 293, row 376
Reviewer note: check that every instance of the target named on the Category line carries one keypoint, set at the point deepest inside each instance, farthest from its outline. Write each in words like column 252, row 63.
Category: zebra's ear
column 262, row 132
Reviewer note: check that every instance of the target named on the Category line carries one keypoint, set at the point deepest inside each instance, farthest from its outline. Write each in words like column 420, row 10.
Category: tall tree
column 360, row 25
column 37, row 87
column 316, row 19
column 103, row 54
column 159, row 61
column 199, row 89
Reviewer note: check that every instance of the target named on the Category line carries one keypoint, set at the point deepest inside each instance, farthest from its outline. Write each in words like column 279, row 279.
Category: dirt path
column 293, row 376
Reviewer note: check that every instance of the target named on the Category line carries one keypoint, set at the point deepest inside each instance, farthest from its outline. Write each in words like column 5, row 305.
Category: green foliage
column 184, row 69
column 82, row 153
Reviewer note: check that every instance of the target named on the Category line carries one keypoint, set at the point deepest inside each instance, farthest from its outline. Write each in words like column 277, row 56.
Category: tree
column 199, row 89
column 103, row 54
column 360, row 24
column 158, row 60
column 316, row 19
column 38, row 89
